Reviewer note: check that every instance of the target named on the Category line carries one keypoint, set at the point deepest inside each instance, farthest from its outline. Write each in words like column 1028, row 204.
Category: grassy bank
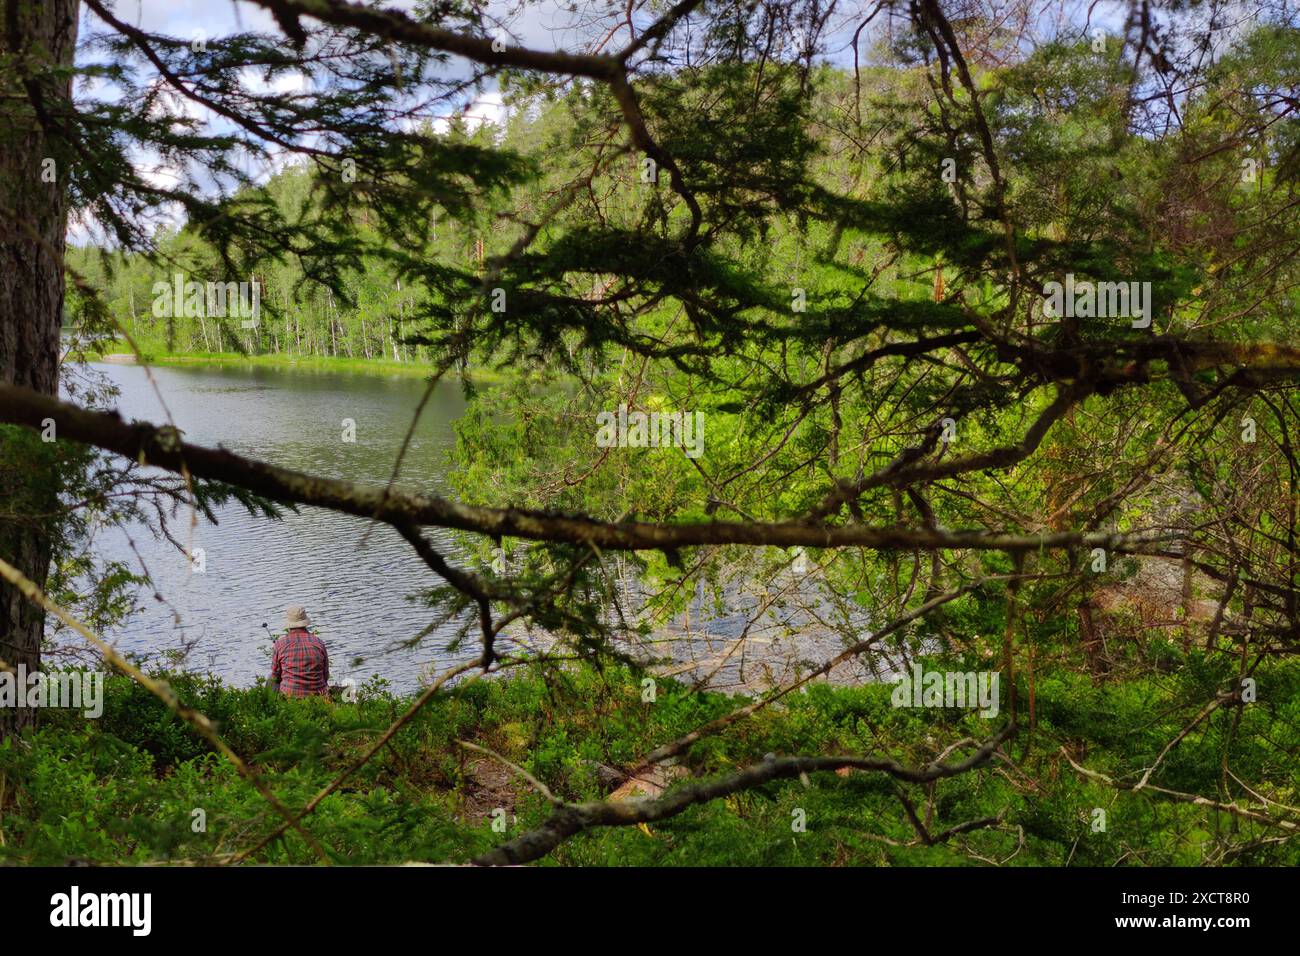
column 314, row 363
column 126, row 787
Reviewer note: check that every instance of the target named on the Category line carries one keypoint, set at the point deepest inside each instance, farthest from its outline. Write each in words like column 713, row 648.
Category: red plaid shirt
column 300, row 665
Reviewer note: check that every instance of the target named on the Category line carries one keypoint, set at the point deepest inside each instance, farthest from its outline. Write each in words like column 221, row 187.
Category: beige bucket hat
column 296, row 616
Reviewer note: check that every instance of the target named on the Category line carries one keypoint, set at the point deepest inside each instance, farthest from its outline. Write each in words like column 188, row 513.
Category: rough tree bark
column 34, row 35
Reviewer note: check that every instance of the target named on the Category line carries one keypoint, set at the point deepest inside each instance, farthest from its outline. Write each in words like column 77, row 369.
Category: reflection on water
column 357, row 596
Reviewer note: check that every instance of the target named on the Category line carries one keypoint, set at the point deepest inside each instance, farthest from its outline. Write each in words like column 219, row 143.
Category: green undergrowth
column 135, row 784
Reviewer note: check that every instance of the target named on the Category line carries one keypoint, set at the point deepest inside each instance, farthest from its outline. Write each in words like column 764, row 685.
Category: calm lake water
column 359, row 595
column 356, row 594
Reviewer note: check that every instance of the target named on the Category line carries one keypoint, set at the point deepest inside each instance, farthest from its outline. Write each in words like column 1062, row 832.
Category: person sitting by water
column 300, row 665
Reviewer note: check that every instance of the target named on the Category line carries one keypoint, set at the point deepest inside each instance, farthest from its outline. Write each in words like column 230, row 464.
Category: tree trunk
column 34, row 35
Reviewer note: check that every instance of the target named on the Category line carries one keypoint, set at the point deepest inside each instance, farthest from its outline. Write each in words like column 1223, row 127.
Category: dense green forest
column 845, row 266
